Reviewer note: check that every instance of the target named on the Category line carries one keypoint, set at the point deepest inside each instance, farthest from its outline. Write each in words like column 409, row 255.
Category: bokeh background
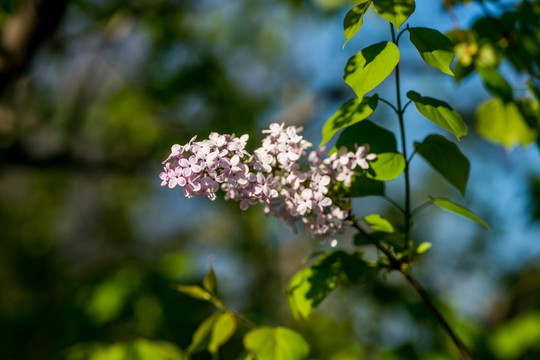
column 91, row 246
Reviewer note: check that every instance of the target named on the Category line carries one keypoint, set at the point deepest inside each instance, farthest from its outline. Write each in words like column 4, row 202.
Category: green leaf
column 457, row 209
column 363, row 186
column 357, row 270
column 353, row 20
column 366, row 132
column 203, row 334
column 495, row 83
column 435, row 48
column 445, row 157
column 386, row 167
column 503, row 124
column 395, row 11
column 195, row 292
column 271, row 343
column 310, row 286
column 439, row 113
column 423, row 247
column 210, row 281
column 352, row 112
column 223, row 329
column 377, row 222
column 370, row 66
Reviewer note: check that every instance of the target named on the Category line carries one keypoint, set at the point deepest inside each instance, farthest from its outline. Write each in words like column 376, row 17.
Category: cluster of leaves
column 260, row 342
column 511, row 40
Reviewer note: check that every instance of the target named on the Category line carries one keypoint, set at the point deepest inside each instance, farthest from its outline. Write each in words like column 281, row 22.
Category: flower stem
column 400, row 111
column 403, row 268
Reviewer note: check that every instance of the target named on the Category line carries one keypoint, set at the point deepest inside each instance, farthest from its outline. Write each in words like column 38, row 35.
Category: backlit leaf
column 370, row 66
column 310, row 286
column 395, row 11
column 377, row 222
column 386, row 167
column 435, row 48
column 210, row 281
column 350, row 113
column 503, row 124
column 272, row 343
column 203, row 334
column 354, row 19
column 423, row 247
column 445, row 157
column 439, row 113
column 195, row 292
column 222, row 331
column 458, row 209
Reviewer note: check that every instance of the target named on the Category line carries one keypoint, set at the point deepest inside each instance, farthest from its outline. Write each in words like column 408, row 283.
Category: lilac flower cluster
column 273, row 175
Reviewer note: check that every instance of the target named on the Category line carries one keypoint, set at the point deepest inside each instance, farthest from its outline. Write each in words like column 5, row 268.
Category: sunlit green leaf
column 439, row 113
column 203, row 334
column 363, row 186
column 310, row 286
column 195, row 292
column 377, row 222
column 423, row 247
column 515, row 338
column 445, row 157
column 395, row 11
column 386, row 167
column 223, row 329
column 272, row 343
column 350, row 113
column 155, row 350
column 503, row 124
column 435, row 48
column 210, row 281
column 495, row 83
column 370, row 66
column 354, row 19
column 458, row 209
column 379, row 139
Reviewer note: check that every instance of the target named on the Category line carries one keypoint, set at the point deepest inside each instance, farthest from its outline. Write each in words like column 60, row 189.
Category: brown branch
column 23, row 33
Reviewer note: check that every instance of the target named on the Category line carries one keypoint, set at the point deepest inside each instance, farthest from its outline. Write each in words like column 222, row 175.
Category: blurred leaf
column 377, row 222
column 350, row 113
column 363, row 186
column 495, row 83
column 379, row 139
column 140, row 349
column 445, row 157
column 515, row 338
column 423, row 247
column 204, row 333
column 370, row 66
column 209, row 281
column 386, row 167
column 109, row 297
column 440, row 113
column 457, row 209
column 224, row 328
column 195, row 292
column 354, row 19
column 395, row 11
column 269, row 343
column 503, row 124
column 435, row 48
